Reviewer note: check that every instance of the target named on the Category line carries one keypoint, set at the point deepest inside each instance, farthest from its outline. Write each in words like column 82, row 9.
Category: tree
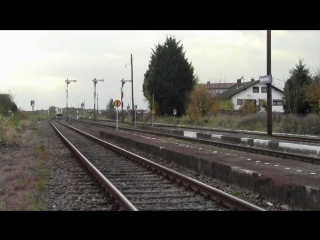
column 226, row 104
column 248, row 107
column 200, row 102
column 312, row 92
column 294, row 90
column 7, row 103
column 110, row 105
column 14, row 108
column 316, row 76
column 111, row 112
column 52, row 110
column 169, row 78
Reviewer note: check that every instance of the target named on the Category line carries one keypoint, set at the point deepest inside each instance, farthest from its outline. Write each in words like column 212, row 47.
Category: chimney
column 208, row 82
column 252, row 79
column 238, row 82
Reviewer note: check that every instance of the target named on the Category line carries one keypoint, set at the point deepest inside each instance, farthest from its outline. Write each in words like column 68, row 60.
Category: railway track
column 279, row 136
column 135, row 183
column 274, row 153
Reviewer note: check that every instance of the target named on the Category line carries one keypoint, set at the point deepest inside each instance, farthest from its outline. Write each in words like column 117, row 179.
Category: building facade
column 253, row 90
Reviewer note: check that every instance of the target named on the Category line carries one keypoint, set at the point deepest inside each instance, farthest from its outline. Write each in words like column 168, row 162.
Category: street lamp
column 94, row 97
column 67, row 82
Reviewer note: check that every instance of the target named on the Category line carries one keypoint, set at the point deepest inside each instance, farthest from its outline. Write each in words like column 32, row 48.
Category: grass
column 255, row 122
column 238, row 192
column 23, row 166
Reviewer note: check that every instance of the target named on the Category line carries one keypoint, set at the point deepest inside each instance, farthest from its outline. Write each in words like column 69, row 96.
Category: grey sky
column 35, row 64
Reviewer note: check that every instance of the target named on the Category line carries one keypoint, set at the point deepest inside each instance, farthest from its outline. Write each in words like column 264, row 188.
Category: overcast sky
column 35, row 64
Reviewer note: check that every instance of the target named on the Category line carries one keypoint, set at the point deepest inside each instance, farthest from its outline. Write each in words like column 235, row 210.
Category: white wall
column 249, row 94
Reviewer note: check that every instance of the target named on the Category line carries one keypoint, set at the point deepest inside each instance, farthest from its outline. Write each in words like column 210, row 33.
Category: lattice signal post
column 68, row 82
column 94, row 97
column 122, row 83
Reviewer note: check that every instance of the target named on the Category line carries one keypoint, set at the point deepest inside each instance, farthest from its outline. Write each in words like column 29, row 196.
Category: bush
column 256, row 121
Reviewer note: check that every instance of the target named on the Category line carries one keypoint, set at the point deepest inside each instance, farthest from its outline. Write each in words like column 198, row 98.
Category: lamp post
column 94, row 97
column 68, row 82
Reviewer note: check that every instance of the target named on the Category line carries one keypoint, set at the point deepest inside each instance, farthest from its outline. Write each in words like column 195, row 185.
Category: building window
column 255, row 89
column 263, row 89
column 239, row 101
column 277, row 102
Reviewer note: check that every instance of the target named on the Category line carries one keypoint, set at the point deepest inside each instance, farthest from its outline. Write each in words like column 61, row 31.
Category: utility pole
column 67, row 82
column 152, row 109
column 94, row 97
column 269, row 93
column 132, row 88
column 97, row 104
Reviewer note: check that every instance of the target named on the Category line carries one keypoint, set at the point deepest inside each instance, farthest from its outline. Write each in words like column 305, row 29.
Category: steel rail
column 114, row 192
column 226, row 199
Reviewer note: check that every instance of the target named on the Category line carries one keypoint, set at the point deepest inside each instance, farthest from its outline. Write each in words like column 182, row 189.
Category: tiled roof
column 243, row 86
column 218, row 85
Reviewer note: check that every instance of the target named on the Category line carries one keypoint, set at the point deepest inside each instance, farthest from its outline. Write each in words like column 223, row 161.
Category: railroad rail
column 274, row 153
column 148, row 185
column 279, row 136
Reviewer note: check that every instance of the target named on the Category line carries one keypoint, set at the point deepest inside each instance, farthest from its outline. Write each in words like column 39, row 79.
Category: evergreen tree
column 110, row 105
column 169, row 79
column 294, row 90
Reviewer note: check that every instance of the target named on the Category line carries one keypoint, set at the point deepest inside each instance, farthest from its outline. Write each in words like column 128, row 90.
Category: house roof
column 218, row 85
column 243, row 86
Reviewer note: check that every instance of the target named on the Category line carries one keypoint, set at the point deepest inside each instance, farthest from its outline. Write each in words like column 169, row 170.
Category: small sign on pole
column 32, row 104
column 117, row 103
column 265, row 79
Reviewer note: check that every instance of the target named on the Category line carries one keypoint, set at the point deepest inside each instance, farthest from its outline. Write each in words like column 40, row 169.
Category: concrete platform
column 270, row 143
column 291, row 182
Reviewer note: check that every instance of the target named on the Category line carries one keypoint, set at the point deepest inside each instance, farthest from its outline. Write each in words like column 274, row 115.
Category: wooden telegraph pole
column 269, row 93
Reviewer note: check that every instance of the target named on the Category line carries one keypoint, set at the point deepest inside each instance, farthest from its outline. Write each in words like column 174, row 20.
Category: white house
column 253, row 90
